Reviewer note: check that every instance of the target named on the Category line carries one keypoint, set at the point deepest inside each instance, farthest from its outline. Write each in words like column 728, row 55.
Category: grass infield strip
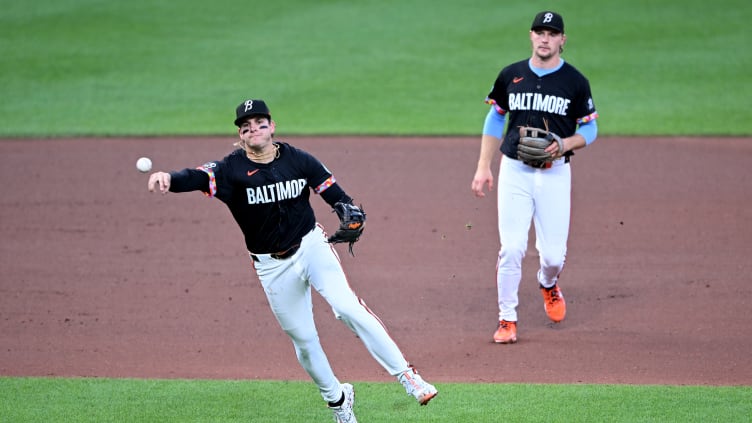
column 133, row 400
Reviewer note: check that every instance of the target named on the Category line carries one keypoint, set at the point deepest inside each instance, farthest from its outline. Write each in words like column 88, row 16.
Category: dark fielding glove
column 352, row 221
column 533, row 143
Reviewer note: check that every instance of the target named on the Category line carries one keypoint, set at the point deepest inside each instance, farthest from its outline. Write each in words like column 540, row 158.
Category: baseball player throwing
column 266, row 185
column 550, row 110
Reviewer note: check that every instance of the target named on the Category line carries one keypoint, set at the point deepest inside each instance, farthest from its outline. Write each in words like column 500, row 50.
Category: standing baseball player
column 545, row 101
column 266, row 185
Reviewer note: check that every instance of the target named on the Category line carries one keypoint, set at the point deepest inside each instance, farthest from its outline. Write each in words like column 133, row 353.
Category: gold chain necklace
column 262, row 157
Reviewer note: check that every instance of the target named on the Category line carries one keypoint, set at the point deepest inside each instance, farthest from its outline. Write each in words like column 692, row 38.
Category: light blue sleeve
column 494, row 124
column 589, row 131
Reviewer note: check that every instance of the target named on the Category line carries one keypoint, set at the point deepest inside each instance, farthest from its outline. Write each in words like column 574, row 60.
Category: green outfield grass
column 145, row 67
column 182, row 401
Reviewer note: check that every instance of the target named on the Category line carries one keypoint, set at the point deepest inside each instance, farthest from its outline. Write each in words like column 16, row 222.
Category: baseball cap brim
column 239, row 121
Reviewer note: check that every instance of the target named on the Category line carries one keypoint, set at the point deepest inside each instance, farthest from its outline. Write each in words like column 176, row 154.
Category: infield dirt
column 102, row 278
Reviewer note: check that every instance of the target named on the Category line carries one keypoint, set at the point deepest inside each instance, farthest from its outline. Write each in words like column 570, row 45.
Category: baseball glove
column 352, row 221
column 533, row 143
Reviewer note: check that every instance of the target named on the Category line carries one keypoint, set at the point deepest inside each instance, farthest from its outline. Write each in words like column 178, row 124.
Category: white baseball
column 143, row 164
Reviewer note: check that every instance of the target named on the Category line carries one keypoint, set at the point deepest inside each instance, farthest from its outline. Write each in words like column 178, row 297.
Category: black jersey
column 270, row 202
column 561, row 98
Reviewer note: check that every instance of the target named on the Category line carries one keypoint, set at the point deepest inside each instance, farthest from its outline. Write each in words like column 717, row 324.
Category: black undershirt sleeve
column 335, row 194
column 189, row 180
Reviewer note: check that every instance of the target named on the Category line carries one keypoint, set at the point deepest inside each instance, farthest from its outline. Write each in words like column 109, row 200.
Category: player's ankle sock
column 338, row 403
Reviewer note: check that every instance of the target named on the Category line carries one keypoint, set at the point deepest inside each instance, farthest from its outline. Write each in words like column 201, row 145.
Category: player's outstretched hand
column 159, row 180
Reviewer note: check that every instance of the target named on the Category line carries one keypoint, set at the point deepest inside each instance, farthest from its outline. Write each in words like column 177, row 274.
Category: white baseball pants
column 287, row 284
column 540, row 195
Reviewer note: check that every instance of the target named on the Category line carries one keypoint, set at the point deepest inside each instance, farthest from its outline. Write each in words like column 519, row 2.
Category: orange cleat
column 554, row 304
column 506, row 333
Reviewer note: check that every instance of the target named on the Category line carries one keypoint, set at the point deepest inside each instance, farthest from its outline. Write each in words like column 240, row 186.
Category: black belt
column 538, row 164
column 282, row 254
column 543, row 164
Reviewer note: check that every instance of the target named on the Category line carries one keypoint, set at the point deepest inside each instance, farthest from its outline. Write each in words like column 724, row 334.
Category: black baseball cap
column 250, row 108
column 549, row 20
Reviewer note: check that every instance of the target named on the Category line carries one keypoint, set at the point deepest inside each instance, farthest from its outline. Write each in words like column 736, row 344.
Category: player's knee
column 346, row 314
column 304, row 347
column 303, row 337
column 512, row 254
column 354, row 316
column 552, row 262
